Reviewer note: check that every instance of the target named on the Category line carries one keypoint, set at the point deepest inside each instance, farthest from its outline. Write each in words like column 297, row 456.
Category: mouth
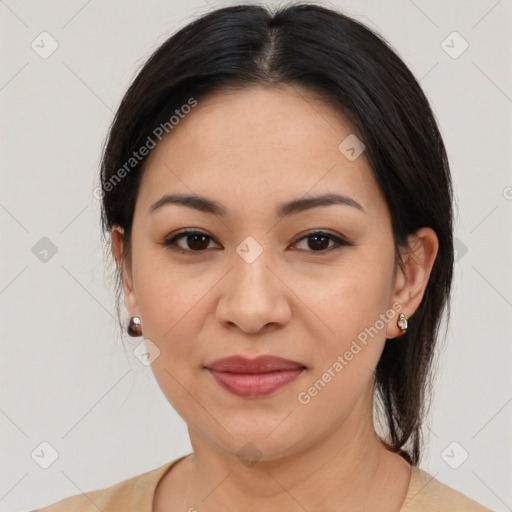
column 254, row 378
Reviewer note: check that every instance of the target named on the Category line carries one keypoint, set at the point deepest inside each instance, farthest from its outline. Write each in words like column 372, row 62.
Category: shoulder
column 136, row 491
column 426, row 494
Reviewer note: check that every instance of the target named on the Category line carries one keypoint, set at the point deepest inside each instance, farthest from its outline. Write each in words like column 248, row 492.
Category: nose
column 254, row 296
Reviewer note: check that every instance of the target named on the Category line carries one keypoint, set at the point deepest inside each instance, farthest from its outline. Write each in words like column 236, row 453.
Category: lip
column 253, row 378
column 261, row 364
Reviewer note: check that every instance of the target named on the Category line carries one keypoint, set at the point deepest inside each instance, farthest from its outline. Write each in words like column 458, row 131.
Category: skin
column 251, row 150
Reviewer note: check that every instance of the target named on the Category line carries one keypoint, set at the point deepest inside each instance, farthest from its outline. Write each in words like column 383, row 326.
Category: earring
column 402, row 322
column 134, row 327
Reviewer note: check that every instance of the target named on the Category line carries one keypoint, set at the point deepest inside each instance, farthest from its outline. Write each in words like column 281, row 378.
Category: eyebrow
column 206, row 205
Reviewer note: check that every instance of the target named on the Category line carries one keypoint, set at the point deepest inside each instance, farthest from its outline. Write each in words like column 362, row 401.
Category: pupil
column 317, row 245
column 191, row 239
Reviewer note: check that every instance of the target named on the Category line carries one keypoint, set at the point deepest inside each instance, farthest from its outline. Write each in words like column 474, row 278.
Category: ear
column 411, row 277
column 124, row 266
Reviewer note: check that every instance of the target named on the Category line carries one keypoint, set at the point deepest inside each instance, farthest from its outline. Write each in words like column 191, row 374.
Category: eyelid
column 170, row 241
column 339, row 240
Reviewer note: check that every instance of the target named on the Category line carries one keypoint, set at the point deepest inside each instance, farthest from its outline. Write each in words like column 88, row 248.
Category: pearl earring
column 402, row 322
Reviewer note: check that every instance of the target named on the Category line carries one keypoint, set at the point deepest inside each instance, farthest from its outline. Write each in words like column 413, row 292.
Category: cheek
column 344, row 362
column 172, row 301
column 353, row 304
column 174, row 307
column 351, row 297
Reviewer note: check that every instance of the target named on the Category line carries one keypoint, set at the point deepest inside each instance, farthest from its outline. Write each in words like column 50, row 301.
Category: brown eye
column 194, row 241
column 318, row 241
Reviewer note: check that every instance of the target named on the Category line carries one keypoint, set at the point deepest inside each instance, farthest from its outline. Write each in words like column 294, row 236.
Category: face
column 257, row 280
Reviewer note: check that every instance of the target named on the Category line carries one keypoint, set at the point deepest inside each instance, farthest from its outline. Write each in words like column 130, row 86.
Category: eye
column 320, row 241
column 196, row 241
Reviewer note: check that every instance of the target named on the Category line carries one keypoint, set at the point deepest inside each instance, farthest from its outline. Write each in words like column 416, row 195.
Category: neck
column 350, row 468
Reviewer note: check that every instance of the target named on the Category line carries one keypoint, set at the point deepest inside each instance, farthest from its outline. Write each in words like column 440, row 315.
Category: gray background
column 64, row 376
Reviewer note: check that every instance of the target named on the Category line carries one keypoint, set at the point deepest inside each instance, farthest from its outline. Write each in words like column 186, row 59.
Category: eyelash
column 170, row 242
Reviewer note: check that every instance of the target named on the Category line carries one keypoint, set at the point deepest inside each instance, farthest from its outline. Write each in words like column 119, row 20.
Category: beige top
column 425, row 494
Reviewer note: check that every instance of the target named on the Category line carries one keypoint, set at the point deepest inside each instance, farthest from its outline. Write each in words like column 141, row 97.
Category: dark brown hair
column 354, row 70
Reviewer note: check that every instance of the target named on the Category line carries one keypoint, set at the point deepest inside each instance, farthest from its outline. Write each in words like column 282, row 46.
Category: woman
column 279, row 204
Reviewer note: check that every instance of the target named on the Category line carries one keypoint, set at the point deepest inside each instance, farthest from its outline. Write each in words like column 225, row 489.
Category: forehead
column 255, row 146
